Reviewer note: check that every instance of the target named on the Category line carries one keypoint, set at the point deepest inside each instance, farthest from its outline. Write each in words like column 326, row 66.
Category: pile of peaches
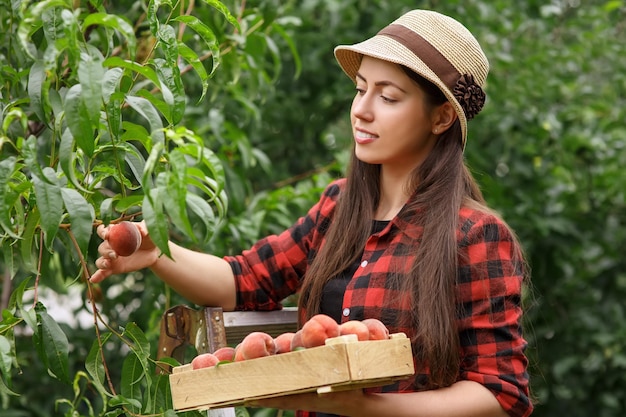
column 313, row 333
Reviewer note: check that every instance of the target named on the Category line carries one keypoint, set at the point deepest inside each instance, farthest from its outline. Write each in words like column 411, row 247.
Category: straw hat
column 435, row 46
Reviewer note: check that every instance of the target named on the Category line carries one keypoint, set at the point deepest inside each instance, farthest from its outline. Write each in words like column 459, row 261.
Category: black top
column 332, row 294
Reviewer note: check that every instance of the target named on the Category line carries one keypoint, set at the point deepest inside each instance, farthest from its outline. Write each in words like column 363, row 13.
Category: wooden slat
column 238, row 324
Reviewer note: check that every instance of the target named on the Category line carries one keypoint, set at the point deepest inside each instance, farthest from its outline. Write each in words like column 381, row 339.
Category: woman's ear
column 443, row 117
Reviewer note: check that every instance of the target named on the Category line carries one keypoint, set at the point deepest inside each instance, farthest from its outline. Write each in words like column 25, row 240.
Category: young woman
column 405, row 238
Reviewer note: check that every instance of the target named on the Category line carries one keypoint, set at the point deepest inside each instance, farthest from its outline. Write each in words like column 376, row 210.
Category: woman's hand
column 110, row 263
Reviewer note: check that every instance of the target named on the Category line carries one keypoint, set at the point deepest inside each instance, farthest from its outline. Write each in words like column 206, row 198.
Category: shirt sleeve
column 272, row 268
column 490, row 329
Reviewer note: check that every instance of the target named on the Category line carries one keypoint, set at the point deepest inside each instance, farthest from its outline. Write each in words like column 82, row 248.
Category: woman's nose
column 361, row 107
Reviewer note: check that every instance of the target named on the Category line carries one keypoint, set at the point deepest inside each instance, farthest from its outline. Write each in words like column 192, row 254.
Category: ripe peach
column 355, row 327
column 204, row 360
column 239, row 353
column 124, row 238
column 317, row 329
column 296, row 341
column 283, row 342
column 226, row 353
column 257, row 345
column 377, row 329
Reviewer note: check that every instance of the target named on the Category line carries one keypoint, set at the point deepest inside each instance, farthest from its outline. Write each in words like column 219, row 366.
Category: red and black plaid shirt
column 488, row 288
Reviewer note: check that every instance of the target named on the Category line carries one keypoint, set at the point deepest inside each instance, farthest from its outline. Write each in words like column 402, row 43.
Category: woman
column 405, row 238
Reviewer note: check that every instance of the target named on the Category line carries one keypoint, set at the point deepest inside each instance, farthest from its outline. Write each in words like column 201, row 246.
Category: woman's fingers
column 102, row 272
column 102, row 231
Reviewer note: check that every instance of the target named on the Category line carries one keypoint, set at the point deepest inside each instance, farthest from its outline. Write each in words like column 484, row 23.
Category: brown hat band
column 425, row 51
column 469, row 94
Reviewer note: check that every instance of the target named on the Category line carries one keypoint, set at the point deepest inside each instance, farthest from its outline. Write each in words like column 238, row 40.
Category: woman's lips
column 362, row 137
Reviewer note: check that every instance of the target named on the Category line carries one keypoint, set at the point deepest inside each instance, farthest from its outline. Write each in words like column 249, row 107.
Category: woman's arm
column 201, row 278
column 462, row 399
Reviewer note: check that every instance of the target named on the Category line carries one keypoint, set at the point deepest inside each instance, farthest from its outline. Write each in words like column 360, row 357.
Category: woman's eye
column 360, row 91
column 388, row 100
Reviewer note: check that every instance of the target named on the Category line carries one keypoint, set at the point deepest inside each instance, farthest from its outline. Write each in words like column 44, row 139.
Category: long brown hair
column 440, row 186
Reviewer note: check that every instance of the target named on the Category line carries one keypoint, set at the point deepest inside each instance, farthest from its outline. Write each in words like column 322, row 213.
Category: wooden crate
column 343, row 363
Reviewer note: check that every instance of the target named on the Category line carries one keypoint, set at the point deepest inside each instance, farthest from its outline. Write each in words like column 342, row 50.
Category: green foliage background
column 220, row 122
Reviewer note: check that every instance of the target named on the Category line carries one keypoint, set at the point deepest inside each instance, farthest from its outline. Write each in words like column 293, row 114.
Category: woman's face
column 392, row 123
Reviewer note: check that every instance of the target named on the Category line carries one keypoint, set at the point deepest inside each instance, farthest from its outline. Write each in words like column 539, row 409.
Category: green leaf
column 174, row 184
column 114, row 22
column 106, row 210
column 91, row 75
column 130, row 202
column 148, row 112
column 10, row 265
column 6, row 358
column 69, row 24
column 94, row 366
column 203, row 211
column 135, row 161
column 151, row 164
column 135, row 132
column 153, row 18
column 5, row 390
column 111, row 82
column 78, row 121
column 113, row 110
column 13, row 114
column 207, row 36
column 9, row 320
column 120, row 400
column 167, row 37
column 7, row 167
column 141, row 346
column 32, row 22
column 146, row 71
column 275, row 52
column 36, row 83
column 292, row 47
column 161, row 397
column 169, row 74
column 132, row 375
column 50, row 204
column 29, row 153
column 241, row 412
column 163, row 107
column 141, row 350
column 29, row 239
column 67, row 158
column 156, row 221
column 55, row 344
column 224, row 10
column 81, row 215
column 192, row 58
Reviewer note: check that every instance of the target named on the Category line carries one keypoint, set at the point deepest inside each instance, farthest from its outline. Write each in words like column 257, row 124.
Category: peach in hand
column 317, row 329
column 124, row 238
